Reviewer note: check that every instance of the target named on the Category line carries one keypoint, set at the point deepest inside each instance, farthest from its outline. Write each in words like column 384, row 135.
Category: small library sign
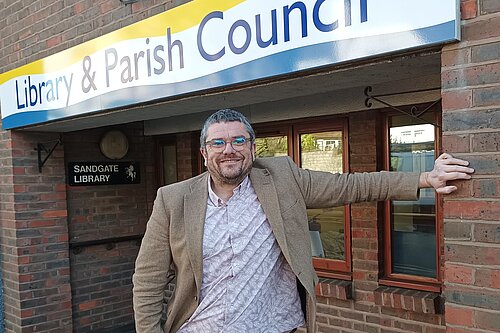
column 103, row 173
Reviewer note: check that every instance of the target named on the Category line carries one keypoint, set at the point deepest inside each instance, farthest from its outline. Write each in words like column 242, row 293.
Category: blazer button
column 196, row 298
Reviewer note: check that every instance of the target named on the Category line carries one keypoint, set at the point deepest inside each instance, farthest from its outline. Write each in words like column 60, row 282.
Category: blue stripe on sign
column 290, row 61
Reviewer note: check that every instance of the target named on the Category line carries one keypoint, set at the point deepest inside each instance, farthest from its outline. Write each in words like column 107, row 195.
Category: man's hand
column 446, row 168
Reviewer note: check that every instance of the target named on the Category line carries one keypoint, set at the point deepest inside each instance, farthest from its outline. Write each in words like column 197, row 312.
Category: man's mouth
column 229, row 161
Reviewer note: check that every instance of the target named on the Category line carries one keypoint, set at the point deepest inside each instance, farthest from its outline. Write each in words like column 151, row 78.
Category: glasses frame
column 231, row 141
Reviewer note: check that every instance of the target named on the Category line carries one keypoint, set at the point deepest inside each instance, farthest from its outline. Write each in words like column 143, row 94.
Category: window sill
column 401, row 282
column 407, row 299
column 332, row 288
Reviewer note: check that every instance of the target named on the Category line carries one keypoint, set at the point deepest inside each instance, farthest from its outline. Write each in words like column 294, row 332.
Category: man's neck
column 223, row 190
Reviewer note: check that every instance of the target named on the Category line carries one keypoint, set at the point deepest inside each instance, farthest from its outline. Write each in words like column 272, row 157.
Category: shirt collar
column 214, row 198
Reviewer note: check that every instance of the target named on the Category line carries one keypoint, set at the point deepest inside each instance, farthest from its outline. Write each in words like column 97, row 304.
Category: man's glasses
column 218, row 145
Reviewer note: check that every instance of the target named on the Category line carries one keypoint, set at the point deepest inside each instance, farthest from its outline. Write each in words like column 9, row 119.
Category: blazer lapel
column 265, row 189
column 195, row 206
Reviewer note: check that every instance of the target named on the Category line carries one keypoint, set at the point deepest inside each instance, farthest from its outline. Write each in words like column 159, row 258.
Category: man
column 237, row 236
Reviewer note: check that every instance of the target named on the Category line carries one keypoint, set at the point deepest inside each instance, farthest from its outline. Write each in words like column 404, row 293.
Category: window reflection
column 169, row 164
column 322, row 151
column 271, row 146
column 413, row 223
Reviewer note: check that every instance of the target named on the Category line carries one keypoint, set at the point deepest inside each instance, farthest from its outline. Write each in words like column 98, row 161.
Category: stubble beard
column 232, row 178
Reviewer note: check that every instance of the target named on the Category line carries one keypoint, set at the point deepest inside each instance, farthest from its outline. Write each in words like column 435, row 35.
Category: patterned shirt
column 247, row 285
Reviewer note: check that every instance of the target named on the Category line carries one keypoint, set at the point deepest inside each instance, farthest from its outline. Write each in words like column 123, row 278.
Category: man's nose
column 228, row 148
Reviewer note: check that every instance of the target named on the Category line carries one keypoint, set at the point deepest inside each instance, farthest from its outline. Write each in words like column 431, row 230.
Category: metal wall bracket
column 414, row 110
column 44, row 146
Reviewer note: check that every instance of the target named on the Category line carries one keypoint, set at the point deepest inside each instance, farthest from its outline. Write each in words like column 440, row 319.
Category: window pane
column 413, row 223
column 272, row 146
column 323, row 152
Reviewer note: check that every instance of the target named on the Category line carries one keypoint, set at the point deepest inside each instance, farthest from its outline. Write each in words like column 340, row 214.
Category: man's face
column 229, row 166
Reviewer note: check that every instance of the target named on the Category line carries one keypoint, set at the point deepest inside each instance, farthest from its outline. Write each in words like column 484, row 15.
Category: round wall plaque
column 114, row 145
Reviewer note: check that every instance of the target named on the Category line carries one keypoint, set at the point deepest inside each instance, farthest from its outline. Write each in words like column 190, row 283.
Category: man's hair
column 224, row 116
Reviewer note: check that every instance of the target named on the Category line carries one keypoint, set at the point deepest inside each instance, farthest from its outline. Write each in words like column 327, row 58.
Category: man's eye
column 239, row 141
column 218, row 143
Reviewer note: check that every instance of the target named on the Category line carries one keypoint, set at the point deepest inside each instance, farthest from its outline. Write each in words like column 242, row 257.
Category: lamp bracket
column 414, row 111
column 48, row 148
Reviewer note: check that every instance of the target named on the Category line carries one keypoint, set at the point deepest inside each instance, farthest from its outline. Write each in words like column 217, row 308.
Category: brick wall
column 101, row 274
column 1, row 305
column 32, row 30
column 471, row 129
column 33, row 236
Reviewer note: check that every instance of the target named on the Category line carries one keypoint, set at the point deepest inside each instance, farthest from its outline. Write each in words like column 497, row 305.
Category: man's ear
column 203, row 153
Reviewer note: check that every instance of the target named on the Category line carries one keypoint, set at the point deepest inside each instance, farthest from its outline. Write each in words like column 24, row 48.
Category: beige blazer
column 174, row 232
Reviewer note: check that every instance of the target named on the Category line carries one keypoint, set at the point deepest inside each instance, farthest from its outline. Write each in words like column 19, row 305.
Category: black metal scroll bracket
column 413, row 112
column 42, row 146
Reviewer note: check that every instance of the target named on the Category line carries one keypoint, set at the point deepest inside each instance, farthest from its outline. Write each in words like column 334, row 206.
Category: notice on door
column 103, row 173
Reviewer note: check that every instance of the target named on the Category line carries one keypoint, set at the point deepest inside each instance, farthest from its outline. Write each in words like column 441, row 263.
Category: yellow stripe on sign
column 178, row 19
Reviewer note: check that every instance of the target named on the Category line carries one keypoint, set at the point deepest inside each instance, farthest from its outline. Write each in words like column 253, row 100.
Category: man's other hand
column 446, row 168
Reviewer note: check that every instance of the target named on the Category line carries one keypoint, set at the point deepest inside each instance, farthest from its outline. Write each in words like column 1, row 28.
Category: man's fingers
column 455, row 175
column 446, row 189
column 456, row 168
column 449, row 159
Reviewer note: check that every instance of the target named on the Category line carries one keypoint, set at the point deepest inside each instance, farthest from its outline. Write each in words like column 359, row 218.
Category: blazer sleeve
column 152, row 264
column 324, row 189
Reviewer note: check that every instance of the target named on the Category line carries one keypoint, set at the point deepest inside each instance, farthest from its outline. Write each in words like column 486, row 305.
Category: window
column 411, row 234
column 167, row 153
column 317, row 146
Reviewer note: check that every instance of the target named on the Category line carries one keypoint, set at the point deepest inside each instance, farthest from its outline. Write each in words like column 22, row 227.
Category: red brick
column 60, row 188
column 23, row 260
column 456, row 143
column 87, row 305
column 18, row 170
column 366, row 212
column 434, row 329
column 455, row 57
column 27, row 313
column 54, row 41
column 488, row 320
column 451, row 329
column 54, row 213
column 464, row 188
column 364, row 233
column 454, row 100
column 481, row 29
column 472, row 254
column 107, row 6
column 19, row 188
column 459, row 315
column 458, row 274
column 41, row 223
column 489, row 278
column 468, row 9
column 474, row 210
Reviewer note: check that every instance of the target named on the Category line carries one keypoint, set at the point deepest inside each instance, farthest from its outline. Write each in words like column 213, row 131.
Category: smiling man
column 237, row 235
